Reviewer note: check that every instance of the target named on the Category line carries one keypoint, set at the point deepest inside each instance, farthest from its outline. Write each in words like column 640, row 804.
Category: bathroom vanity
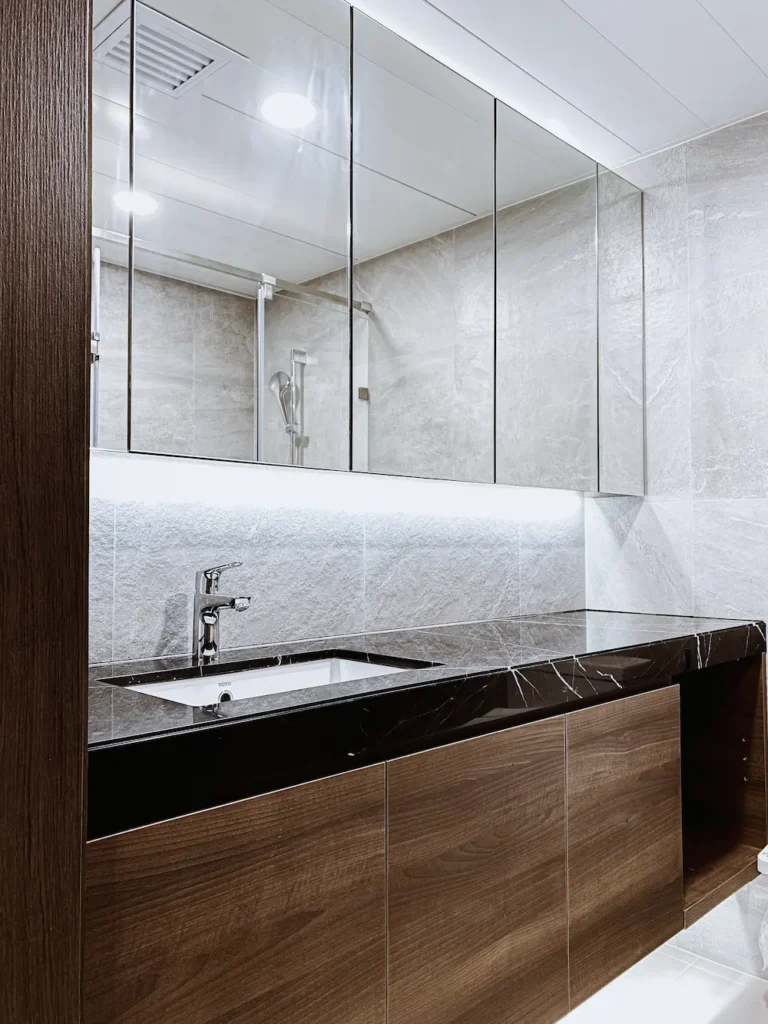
column 513, row 814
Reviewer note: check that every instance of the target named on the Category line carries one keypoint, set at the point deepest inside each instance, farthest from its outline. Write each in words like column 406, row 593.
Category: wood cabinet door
column 625, row 864
column 266, row 911
column 476, row 874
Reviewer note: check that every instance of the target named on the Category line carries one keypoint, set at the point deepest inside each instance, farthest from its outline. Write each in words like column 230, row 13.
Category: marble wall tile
column 622, row 398
column 223, row 424
column 225, row 340
column 303, row 570
column 318, row 563
column 165, row 315
column 323, row 332
column 668, row 395
column 731, row 557
column 729, row 381
column 552, row 564
column 193, row 351
column 727, row 210
column 547, row 256
column 663, row 177
column 620, row 327
column 113, row 401
column 429, row 346
column 421, row 570
column 113, row 370
column 162, row 413
column 411, row 414
column 639, row 555
column 547, row 404
column 101, row 579
column 473, row 384
column 411, row 291
column 547, row 341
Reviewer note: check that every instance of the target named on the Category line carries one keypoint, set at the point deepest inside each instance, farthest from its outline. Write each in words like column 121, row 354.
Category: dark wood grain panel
column 723, row 769
column 625, row 871
column 264, row 911
column 476, row 859
column 44, row 322
column 720, row 878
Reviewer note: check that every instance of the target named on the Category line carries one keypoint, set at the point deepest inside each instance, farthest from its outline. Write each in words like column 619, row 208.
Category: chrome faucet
column 208, row 604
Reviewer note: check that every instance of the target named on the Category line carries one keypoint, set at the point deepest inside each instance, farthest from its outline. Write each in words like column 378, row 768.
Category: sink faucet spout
column 208, row 604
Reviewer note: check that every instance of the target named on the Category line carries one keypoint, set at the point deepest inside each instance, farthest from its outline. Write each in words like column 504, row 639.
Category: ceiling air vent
column 170, row 57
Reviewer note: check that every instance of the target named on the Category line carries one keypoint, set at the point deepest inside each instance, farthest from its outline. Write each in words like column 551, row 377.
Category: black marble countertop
column 151, row 759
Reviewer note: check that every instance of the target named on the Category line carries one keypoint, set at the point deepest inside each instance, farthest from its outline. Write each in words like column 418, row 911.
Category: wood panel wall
column 44, row 323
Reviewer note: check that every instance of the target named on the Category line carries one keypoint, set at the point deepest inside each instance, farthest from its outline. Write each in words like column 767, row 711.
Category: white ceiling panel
column 407, row 134
column 183, row 228
column 481, row 62
column 550, row 41
column 685, row 50
column 612, row 77
column 389, row 215
column 747, row 23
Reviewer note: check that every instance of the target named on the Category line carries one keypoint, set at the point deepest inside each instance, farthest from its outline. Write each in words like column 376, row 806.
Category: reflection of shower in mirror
column 95, row 338
column 289, row 394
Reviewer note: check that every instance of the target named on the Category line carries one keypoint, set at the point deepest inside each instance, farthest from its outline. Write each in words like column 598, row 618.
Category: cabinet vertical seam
column 567, row 864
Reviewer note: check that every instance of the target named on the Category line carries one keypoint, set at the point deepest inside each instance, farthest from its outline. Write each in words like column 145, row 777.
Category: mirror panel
column 241, row 188
column 546, row 309
column 622, row 385
column 423, row 249
column 496, row 321
column 110, row 151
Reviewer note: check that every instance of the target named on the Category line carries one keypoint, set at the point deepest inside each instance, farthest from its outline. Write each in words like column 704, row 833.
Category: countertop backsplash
column 324, row 553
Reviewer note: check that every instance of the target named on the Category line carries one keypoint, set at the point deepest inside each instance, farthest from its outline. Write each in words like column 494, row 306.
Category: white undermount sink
column 260, row 682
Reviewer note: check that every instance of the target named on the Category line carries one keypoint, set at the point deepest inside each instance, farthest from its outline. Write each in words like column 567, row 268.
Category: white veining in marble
column 731, row 557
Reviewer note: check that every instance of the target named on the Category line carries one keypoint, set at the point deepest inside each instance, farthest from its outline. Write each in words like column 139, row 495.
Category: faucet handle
column 207, row 580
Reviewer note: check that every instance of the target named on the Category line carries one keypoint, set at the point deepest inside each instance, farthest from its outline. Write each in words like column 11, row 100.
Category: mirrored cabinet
column 315, row 245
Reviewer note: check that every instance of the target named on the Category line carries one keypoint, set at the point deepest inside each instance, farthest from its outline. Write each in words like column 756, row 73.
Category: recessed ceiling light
column 135, row 202
column 289, row 110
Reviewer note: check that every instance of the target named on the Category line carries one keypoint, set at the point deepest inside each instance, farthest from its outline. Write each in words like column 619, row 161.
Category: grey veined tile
column 302, row 568
column 668, row 394
column 101, row 580
column 639, row 555
column 422, row 570
column 663, row 178
column 552, row 569
column 731, row 557
column 728, row 214
column 729, row 384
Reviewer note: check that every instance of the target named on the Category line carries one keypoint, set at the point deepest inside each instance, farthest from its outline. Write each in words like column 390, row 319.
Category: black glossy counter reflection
column 151, row 759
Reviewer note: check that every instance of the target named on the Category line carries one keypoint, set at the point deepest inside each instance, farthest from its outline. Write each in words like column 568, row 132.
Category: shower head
column 280, row 385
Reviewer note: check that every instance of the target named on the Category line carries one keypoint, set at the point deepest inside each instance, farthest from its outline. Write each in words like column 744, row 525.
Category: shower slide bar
column 275, row 284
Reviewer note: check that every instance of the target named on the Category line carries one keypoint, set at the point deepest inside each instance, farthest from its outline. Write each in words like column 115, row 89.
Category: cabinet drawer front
column 476, row 861
column 625, row 869
column 267, row 910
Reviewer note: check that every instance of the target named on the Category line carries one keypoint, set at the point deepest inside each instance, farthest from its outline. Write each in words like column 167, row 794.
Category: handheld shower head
column 280, row 385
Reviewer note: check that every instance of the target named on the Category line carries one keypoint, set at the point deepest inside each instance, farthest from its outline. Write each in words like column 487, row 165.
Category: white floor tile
column 678, row 954
column 667, row 989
